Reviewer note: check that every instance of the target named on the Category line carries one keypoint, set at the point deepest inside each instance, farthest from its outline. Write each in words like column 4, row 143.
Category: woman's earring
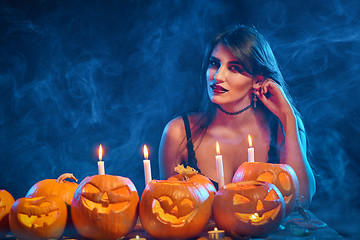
column 254, row 100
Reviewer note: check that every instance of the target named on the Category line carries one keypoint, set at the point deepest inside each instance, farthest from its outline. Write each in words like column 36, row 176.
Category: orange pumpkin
column 250, row 208
column 6, row 201
column 58, row 187
column 38, row 218
column 105, row 206
column 177, row 208
column 281, row 175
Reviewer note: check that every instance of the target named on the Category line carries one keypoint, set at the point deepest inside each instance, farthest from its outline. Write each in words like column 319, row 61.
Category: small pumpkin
column 6, row 202
column 59, row 187
column 38, row 217
column 105, row 206
column 177, row 208
column 251, row 208
column 281, row 175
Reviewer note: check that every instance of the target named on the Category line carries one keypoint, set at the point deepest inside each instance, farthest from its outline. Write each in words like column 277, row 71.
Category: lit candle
column 100, row 162
column 216, row 234
column 147, row 167
column 250, row 150
column 219, row 166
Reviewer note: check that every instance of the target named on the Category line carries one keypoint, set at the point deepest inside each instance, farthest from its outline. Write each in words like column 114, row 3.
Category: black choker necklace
column 234, row 113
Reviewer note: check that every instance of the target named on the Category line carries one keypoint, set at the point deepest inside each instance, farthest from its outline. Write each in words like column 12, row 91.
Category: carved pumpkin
column 105, row 206
column 6, row 201
column 281, row 175
column 250, row 208
column 38, row 218
column 176, row 209
column 58, row 187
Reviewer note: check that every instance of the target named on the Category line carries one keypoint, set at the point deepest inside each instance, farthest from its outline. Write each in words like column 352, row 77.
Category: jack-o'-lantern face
column 248, row 208
column 174, row 209
column 101, row 202
column 6, row 201
column 281, row 175
column 103, row 198
column 38, row 217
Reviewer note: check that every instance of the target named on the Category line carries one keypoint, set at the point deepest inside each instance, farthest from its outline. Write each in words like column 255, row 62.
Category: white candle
column 250, row 150
column 100, row 163
column 216, row 234
column 219, row 167
column 147, row 167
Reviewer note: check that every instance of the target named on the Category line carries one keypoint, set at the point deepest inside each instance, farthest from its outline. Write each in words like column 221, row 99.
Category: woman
column 245, row 94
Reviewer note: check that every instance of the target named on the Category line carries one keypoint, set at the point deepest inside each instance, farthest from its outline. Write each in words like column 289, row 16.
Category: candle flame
column 137, row 237
column 249, row 139
column 100, row 152
column 217, row 148
column 215, row 229
column 254, row 216
column 146, row 152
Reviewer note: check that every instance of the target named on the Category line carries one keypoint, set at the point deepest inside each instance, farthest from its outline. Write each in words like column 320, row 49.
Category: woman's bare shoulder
column 175, row 128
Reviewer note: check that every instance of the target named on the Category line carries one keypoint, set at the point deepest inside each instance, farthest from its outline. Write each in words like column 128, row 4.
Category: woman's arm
column 172, row 141
column 293, row 153
column 293, row 150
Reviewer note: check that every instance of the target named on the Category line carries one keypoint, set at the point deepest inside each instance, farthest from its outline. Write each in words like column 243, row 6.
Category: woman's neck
column 234, row 121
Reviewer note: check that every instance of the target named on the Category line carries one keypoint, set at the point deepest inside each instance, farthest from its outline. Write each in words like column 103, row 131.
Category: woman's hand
column 277, row 103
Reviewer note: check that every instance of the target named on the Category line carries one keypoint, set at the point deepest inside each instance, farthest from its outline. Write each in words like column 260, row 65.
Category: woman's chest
column 234, row 151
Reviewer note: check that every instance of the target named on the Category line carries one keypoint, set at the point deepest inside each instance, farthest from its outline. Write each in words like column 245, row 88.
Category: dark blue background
column 74, row 74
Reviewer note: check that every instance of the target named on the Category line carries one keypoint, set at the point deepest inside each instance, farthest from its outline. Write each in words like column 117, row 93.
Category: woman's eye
column 213, row 63
column 237, row 69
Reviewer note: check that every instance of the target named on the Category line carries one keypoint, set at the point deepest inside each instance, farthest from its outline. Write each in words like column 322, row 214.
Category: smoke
column 76, row 74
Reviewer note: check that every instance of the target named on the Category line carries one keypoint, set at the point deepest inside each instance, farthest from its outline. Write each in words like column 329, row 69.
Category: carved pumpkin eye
column 165, row 203
column 92, row 193
column 188, row 202
column 240, row 199
column 271, row 196
column 285, row 181
column 266, row 177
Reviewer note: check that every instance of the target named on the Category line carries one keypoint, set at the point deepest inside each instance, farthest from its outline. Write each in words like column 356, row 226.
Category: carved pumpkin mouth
column 172, row 217
column 38, row 221
column 256, row 219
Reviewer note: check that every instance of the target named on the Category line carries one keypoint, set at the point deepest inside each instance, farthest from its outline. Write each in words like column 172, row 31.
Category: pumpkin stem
column 64, row 176
column 185, row 171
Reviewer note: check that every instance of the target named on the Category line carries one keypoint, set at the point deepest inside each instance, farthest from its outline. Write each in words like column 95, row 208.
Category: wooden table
column 289, row 229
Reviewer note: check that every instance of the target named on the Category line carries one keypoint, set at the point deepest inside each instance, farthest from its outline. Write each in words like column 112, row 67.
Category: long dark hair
column 253, row 52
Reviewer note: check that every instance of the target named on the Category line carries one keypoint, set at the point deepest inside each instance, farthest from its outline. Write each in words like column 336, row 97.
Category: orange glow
column 146, row 152
column 100, row 152
column 217, row 148
column 249, row 139
column 215, row 229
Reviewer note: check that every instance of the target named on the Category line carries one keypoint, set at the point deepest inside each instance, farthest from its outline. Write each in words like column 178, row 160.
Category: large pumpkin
column 38, row 218
column 250, row 208
column 177, row 208
column 59, row 187
column 105, row 206
column 281, row 175
column 6, row 202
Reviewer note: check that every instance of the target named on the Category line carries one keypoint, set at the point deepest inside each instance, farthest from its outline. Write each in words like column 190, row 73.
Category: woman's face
column 228, row 83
